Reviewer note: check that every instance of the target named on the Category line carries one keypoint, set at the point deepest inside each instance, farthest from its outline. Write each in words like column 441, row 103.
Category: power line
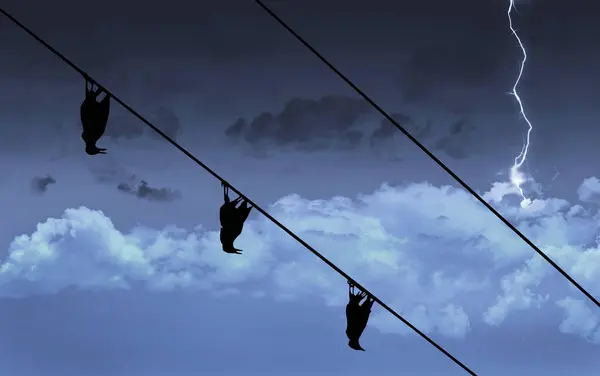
column 258, row 208
column 426, row 151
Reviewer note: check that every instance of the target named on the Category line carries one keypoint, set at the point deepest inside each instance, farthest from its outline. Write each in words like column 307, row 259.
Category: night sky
column 111, row 264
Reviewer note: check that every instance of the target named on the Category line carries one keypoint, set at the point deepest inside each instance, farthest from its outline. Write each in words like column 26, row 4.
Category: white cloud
column 580, row 319
column 433, row 253
column 517, row 293
column 589, row 190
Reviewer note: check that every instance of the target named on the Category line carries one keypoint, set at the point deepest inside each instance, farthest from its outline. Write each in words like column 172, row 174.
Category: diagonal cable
column 258, row 208
column 429, row 153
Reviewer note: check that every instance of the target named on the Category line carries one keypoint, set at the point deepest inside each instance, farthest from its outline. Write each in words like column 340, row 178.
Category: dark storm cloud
column 235, row 130
column 145, row 192
column 387, row 130
column 307, row 124
column 39, row 185
column 384, row 140
column 337, row 123
column 127, row 182
column 459, row 143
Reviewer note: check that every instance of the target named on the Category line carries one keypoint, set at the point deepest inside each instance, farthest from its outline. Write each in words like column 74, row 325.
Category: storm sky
column 111, row 264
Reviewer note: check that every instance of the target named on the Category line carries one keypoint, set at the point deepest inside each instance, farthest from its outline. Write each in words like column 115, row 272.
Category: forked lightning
column 516, row 176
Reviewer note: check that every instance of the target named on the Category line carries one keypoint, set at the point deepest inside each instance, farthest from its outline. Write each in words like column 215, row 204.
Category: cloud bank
column 306, row 124
column 444, row 262
column 346, row 123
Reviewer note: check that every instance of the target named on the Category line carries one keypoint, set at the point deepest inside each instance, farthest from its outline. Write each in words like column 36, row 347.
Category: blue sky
column 98, row 278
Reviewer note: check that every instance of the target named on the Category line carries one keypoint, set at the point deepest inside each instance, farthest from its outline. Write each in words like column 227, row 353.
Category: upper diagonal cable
column 426, row 151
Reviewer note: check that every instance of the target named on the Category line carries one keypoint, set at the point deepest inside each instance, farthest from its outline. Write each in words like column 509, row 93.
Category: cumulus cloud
column 445, row 262
column 146, row 192
column 580, row 319
column 589, row 190
column 517, row 292
column 39, row 185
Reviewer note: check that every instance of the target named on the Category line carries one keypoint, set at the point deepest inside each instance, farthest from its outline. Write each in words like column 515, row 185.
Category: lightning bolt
column 517, row 178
